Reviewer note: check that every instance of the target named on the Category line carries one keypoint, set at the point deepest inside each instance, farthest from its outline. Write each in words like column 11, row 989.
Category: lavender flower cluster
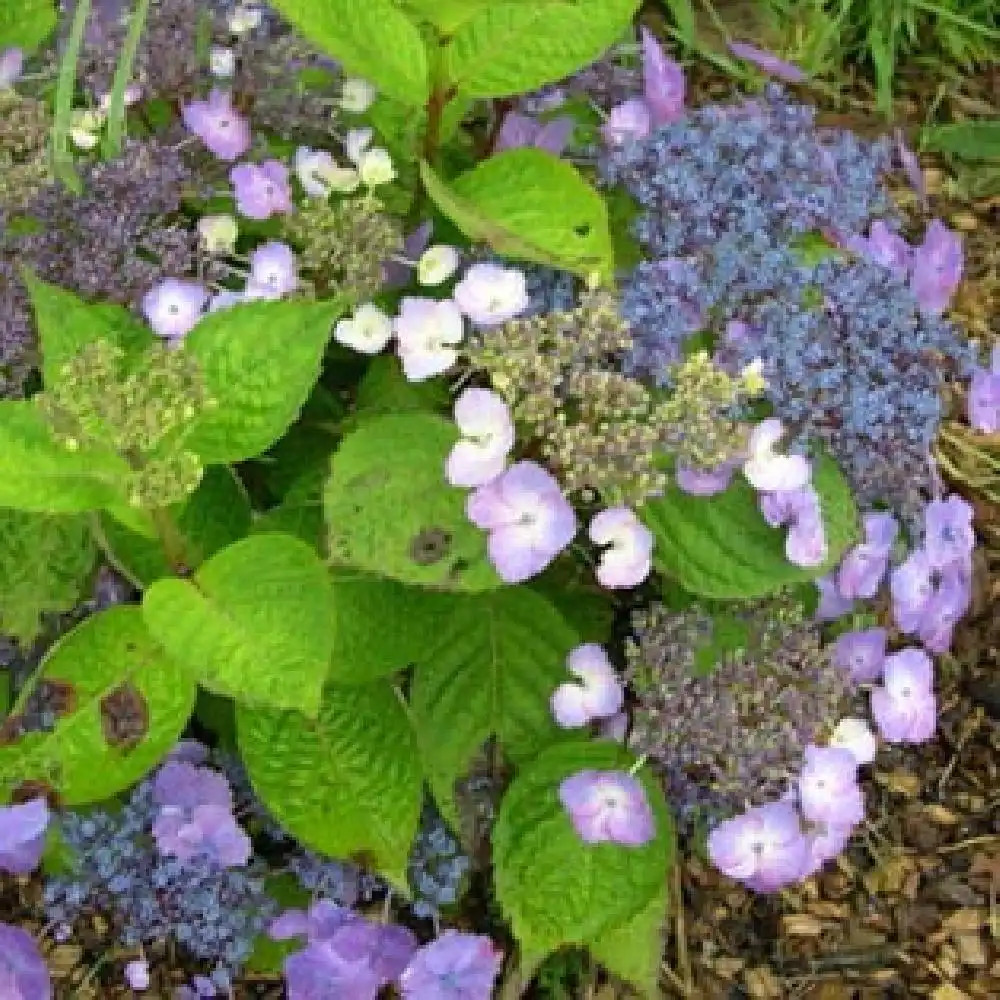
column 727, row 727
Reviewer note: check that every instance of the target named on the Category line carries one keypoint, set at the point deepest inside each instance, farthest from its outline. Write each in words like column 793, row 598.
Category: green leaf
column 347, row 785
column 301, row 517
column 254, row 623
column 385, row 389
column 45, row 563
column 446, row 15
column 66, row 325
column 529, row 205
column 113, row 670
column 268, row 956
column 382, row 626
column 974, row 140
column 261, row 360
column 682, row 12
column 722, row 547
column 37, row 473
column 214, row 516
column 633, row 951
column 510, row 48
column 25, row 24
column 372, row 39
column 489, row 669
column 390, row 511
column 554, row 888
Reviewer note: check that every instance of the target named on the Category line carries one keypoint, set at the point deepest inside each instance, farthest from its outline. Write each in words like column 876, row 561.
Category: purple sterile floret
column 861, row 571
column 185, row 785
column 608, row 806
column 457, row 966
column 832, row 604
column 904, row 707
column 22, row 835
column 764, row 848
column 663, row 83
column 861, row 653
column 828, row 786
column 23, row 972
column 346, row 958
column 705, row 483
column 771, row 64
column 519, row 130
column 273, row 271
column 928, row 601
column 529, row 520
column 261, row 189
column 936, row 268
column 948, row 534
column 220, row 127
column 11, row 65
column 984, row 396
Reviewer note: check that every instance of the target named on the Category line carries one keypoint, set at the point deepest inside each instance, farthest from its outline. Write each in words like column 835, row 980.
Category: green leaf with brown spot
column 126, row 705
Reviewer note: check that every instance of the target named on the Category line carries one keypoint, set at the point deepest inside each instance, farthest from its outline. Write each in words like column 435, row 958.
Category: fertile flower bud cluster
column 343, row 244
column 603, row 430
column 25, row 125
column 143, row 409
column 725, row 711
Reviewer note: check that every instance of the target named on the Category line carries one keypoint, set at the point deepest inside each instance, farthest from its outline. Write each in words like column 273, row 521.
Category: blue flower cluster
column 730, row 198
column 852, row 363
column 215, row 913
column 437, row 867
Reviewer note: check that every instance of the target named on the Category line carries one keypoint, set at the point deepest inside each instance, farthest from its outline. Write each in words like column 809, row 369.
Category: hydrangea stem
column 520, row 972
column 172, row 540
column 111, row 145
column 62, row 158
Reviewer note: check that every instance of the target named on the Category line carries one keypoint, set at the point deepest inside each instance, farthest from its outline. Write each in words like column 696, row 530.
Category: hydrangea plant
column 383, row 431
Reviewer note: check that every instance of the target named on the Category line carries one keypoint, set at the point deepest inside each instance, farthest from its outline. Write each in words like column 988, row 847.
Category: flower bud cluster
column 343, row 244
column 603, row 430
column 25, row 125
column 143, row 409
column 725, row 720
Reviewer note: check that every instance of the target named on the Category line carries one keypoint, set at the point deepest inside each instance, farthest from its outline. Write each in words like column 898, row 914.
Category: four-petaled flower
column 273, row 271
column 174, row 306
column 608, row 806
column 598, row 695
column 218, row 124
column 765, row 469
column 764, row 848
column 487, row 438
column 904, row 706
column 529, row 520
column 367, row 331
column 261, row 189
column 490, row 294
column 456, row 966
column 428, row 331
column 627, row 554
